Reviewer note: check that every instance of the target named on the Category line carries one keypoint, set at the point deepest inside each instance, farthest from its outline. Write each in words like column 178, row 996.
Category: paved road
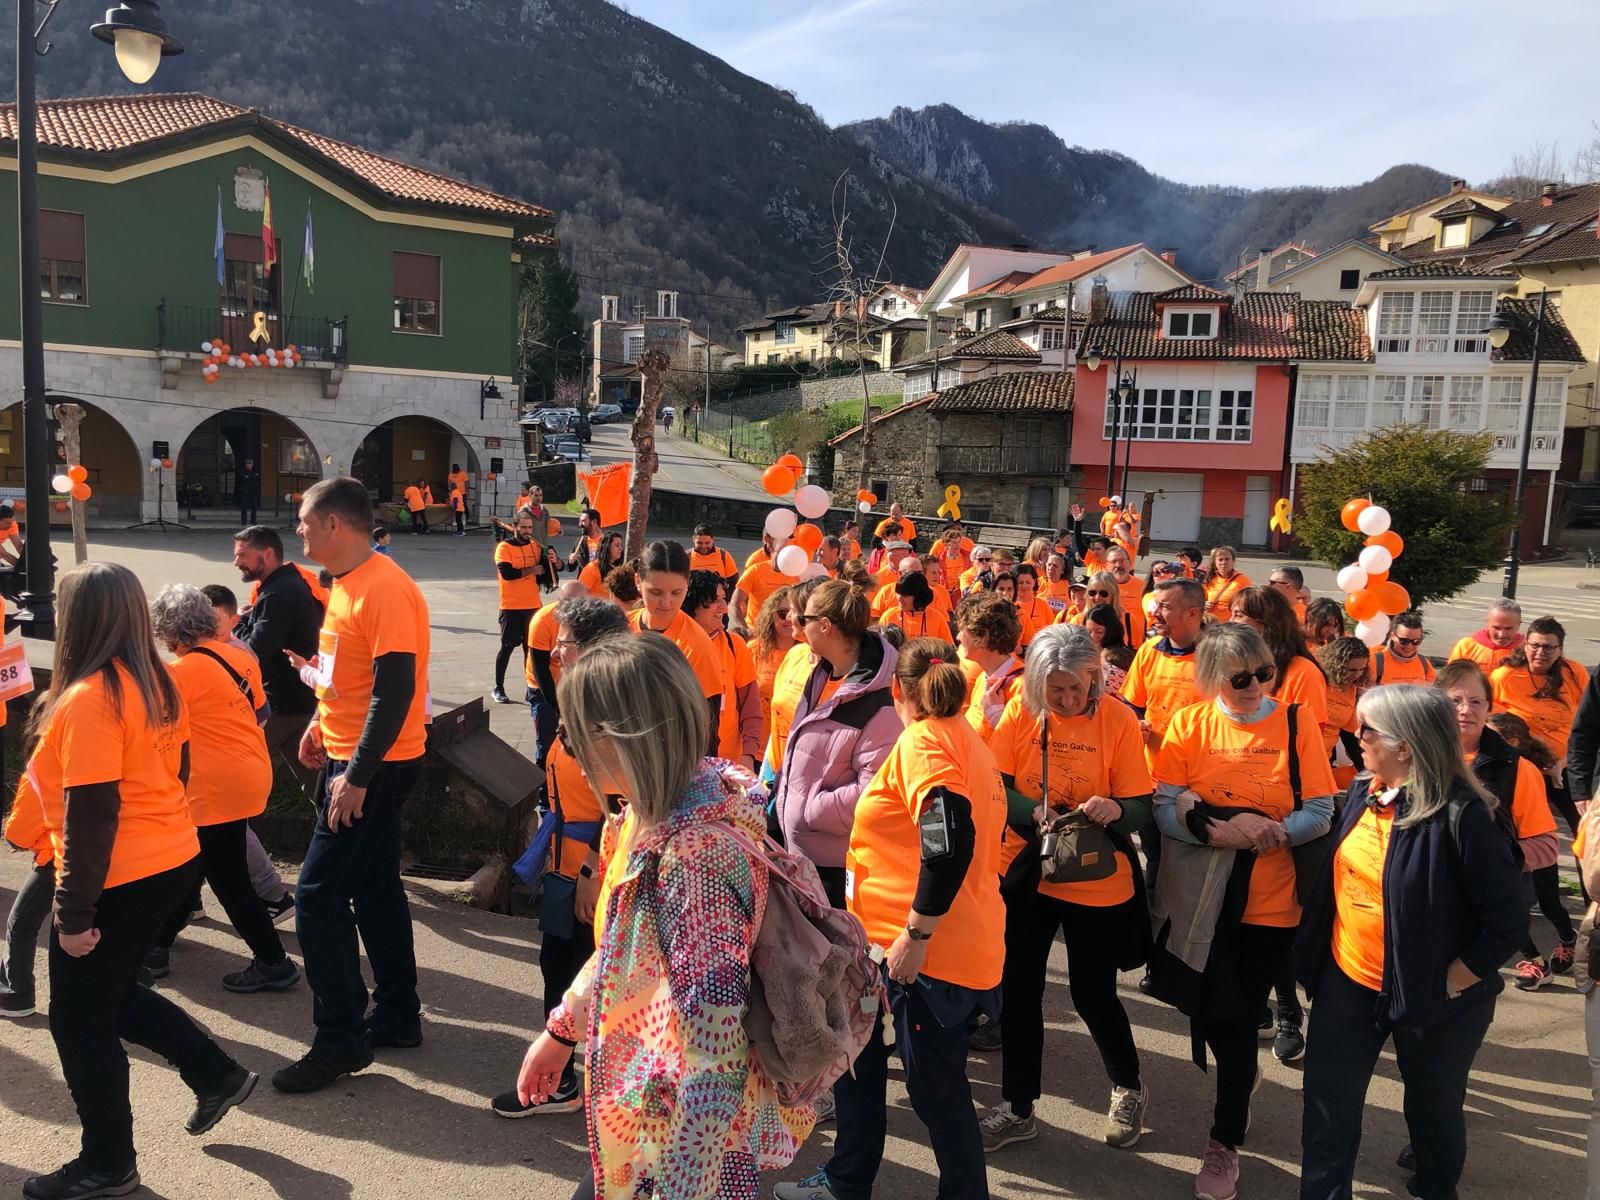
column 686, row 466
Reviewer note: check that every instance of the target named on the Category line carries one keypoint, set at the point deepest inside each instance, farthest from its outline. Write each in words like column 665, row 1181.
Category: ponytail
column 930, row 676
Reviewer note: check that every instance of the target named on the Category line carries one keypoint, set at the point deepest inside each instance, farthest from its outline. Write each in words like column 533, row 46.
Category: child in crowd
column 1114, row 664
column 380, row 539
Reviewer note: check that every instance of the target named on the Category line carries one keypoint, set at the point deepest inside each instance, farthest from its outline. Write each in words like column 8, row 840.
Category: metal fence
column 187, row 327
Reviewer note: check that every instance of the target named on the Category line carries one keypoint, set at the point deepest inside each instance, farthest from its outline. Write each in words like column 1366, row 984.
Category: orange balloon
column 1374, row 580
column 1350, row 514
column 1390, row 541
column 865, row 497
column 552, row 527
column 81, row 492
column 1105, row 501
column 808, row 538
column 166, row 464
column 61, row 506
column 1362, row 605
column 778, row 480
column 78, row 474
column 792, row 461
column 1392, row 599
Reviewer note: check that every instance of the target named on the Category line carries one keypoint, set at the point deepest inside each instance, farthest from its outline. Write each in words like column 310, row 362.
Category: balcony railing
column 185, row 328
column 1316, row 442
column 1002, row 460
column 1432, row 345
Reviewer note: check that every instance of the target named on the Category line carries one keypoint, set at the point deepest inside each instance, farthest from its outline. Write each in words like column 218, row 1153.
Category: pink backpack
column 815, row 989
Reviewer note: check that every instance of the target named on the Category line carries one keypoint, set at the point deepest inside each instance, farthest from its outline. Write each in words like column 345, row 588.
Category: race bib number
column 16, row 677
column 327, row 650
column 849, row 884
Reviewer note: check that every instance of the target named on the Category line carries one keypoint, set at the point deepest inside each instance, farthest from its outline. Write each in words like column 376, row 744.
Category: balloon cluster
column 74, row 482
column 865, row 500
column 784, row 525
column 1371, row 597
column 219, row 354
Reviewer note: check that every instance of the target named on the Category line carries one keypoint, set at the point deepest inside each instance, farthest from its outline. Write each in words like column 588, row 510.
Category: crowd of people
column 1181, row 773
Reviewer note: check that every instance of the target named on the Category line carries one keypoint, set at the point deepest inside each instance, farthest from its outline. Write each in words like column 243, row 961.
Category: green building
column 394, row 286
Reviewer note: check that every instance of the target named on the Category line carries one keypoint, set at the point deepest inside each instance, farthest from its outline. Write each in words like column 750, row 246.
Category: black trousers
column 833, row 885
column 247, row 510
column 95, row 1006
column 1263, row 949
column 1546, row 884
column 1560, row 798
column 1341, row 1053
column 1094, row 941
column 514, row 624
column 350, row 886
column 559, row 961
column 419, row 521
column 222, row 861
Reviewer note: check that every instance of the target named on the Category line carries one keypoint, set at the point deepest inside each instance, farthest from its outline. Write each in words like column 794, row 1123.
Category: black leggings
column 1560, row 798
column 1547, row 890
column 222, row 859
column 1262, row 951
column 585, row 1188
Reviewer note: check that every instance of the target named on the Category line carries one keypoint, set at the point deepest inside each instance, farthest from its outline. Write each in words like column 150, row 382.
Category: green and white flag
column 308, row 255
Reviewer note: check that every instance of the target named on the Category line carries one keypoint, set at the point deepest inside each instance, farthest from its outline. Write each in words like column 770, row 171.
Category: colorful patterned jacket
column 677, row 1107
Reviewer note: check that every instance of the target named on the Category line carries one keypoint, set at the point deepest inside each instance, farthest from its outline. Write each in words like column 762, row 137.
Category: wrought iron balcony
column 1002, row 460
column 183, row 329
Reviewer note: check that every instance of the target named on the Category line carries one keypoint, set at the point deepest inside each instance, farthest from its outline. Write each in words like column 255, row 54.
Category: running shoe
column 13, row 1005
column 211, row 1107
column 279, row 909
column 78, row 1182
column 1000, row 1127
column 1125, row 1119
column 812, row 1187
column 1561, row 958
column 1289, row 1043
column 158, row 962
column 261, row 977
column 985, row 1038
column 1218, row 1177
column 498, row 695
column 1532, row 974
column 568, row 1098
column 314, row 1072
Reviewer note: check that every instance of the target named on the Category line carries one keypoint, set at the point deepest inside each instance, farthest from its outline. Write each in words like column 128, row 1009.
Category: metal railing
column 188, row 327
column 1002, row 460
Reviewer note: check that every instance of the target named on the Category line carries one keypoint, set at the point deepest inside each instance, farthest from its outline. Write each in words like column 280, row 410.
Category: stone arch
column 386, row 456
column 116, row 466
column 207, row 461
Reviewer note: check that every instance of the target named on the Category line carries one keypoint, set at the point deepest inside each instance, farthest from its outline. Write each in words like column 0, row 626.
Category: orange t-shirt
column 1057, row 594
column 25, row 828
column 1487, row 657
column 593, row 578
column 1395, row 669
column 766, row 676
column 566, row 780
column 788, row 682
column 1358, row 896
column 1220, row 593
column 738, row 670
column 87, row 742
column 978, row 685
column 759, row 554
column 1550, row 718
column 1530, row 809
column 1159, row 683
column 957, row 555
column 542, row 636
column 1035, row 614
column 375, row 609
column 885, row 855
column 930, row 622
column 519, row 594
column 1246, row 766
column 1131, row 594
column 719, row 561
column 1303, row 684
column 692, row 641
column 1100, row 754
column 413, row 496
column 230, row 771
column 458, row 480
column 852, row 547
column 890, row 530
column 758, row 582
column 1341, row 715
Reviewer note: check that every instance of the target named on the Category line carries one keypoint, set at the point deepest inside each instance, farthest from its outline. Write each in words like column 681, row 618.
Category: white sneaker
column 1000, row 1127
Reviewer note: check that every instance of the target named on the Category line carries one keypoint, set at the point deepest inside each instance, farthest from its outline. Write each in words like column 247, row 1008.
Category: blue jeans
column 349, row 885
column 935, row 1058
column 545, row 720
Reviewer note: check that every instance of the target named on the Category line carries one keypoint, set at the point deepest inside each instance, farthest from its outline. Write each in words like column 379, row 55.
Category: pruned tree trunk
column 71, row 418
column 653, row 366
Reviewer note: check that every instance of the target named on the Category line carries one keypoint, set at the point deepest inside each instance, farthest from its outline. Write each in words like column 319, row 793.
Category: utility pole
column 1513, row 561
column 705, row 408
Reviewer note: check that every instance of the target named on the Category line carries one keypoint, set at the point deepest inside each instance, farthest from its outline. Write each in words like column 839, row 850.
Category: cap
column 897, row 545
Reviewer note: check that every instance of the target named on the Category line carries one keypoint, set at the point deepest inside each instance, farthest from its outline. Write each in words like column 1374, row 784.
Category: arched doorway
column 116, row 468
column 409, row 448
column 212, row 453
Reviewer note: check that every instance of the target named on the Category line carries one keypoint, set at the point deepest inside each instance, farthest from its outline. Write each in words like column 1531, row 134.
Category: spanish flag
column 269, row 242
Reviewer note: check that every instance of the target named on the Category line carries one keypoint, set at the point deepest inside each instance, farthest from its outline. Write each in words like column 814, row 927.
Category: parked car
column 604, row 414
column 569, row 448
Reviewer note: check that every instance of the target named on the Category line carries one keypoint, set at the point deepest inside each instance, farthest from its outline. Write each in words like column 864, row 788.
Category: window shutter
column 242, row 247
column 61, row 235
column 416, row 276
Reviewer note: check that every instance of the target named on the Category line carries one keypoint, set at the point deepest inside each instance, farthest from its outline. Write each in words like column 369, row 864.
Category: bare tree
column 653, row 367
column 1528, row 172
column 1586, row 161
column 849, row 294
column 71, row 418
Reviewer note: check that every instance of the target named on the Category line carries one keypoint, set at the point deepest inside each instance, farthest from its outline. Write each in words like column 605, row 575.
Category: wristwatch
column 917, row 935
column 586, row 871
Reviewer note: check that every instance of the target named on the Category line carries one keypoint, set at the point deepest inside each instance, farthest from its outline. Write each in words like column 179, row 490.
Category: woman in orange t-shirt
column 772, row 636
column 230, row 775
column 1347, row 664
column 607, row 557
column 1065, row 744
column 1224, row 781
column 664, row 582
column 25, row 830
column 1543, row 686
column 916, row 615
column 111, row 753
column 739, row 735
column 1034, row 609
column 1224, row 581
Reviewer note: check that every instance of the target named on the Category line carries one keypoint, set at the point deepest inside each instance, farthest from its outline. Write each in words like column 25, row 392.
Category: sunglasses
column 1400, row 641
column 1365, row 732
column 983, row 560
column 804, row 619
column 1097, row 593
column 783, row 614
column 1262, row 674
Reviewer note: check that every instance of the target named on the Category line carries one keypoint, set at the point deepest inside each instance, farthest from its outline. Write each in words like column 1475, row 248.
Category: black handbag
column 1074, row 849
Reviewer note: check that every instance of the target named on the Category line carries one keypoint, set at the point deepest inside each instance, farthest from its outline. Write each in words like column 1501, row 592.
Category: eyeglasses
column 566, row 643
column 1400, row 641
column 783, row 614
column 1544, row 648
column 804, row 619
column 1262, row 674
column 1365, row 732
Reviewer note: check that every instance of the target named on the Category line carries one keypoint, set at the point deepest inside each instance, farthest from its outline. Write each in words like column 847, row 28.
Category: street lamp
column 1501, row 326
column 139, row 35
column 487, row 390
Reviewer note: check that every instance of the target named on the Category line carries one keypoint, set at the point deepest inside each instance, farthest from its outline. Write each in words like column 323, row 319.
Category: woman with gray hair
column 1403, row 937
column 1241, row 779
column 1061, row 745
column 230, row 776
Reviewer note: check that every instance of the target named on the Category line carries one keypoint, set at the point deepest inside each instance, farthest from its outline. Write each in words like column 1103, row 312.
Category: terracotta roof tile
column 1557, row 344
column 113, row 125
column 1192, row 292
column 901, row 410
column 1331, row 331
column 1465, row 206
column 1259, row 325
column 1442, row 269
column 999, row 345
column 1508, row 243
column 1011, row 392
column 1056, row 275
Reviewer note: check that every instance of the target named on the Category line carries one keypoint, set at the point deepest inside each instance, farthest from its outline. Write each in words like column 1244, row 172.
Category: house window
column 1388, row 401
column 416, row 292
column 1350, row 280
column 1464, row 413
column 1472, row 318
column 783, row 334
column 632, row 347
column 1191, row 324
column 1433, row 315
column 813, row 354
column 1350, row 402
column 61, row 257
column 1234, row 410
column 1454, row 233
column 772, row 359
column 880, row 489
column 1506, row 395
column 1016, row 312
column 1548, row 406
column 980, row 320
column 1394, row 322
column 1316, row 400
column 1050, row 338
column 1427, row 399
column 1183, row 415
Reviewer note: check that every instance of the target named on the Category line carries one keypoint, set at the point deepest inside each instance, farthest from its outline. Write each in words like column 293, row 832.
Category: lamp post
column 1128, row 388
column 1501, row 326
column 139, row 36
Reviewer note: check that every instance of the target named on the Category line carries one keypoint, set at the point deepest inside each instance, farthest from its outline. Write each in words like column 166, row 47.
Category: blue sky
column 1254, row 92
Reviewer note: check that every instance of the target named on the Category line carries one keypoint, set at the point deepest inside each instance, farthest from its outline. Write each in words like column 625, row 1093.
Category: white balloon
column 1374, row 631
column 60, row 483
column 780, row 523
column 206, row 346
column 233, row 360
column 815, row 571
column 1375, row 560
column 1373, row 520
column 155, row 464
column 792, row 561
column 812, row 501
column 1351, row 578
column 863, row 506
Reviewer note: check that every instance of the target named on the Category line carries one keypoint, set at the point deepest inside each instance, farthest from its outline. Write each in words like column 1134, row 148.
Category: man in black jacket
column 283, row 616
column 247, row 491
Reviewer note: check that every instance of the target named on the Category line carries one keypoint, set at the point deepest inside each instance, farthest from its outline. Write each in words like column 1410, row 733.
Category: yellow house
column 1419, row 222
column 798, row 334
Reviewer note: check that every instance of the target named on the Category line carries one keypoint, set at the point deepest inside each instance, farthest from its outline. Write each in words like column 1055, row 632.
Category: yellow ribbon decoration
column 259, row 333
column 1280, row 517
column 952, row 503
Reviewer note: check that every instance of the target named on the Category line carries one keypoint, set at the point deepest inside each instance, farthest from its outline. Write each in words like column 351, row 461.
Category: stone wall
column 904, row 447
column 817, row 393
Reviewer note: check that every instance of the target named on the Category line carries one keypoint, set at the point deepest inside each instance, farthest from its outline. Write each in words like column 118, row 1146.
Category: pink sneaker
column 1219, row 1173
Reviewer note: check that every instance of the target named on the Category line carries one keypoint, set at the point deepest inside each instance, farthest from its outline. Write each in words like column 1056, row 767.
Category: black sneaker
column 77, row 1182
column 279, row 909
column 498, row 695
column 1289, row 1043
column 260, row 976
column 1406, row 1160
column 1268, row 1027
column 209, row 1107
column 398, row 1037
column 144, row 977
column 568, row 1098
column 158, row 962
column 13, row 1005
column 315, row 1072
column 985, row 1038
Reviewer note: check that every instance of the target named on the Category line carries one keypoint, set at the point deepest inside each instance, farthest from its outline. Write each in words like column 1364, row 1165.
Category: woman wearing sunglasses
column 1228, row 813
column 772, row 638
column 1403, row 939
column 1103, row 589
